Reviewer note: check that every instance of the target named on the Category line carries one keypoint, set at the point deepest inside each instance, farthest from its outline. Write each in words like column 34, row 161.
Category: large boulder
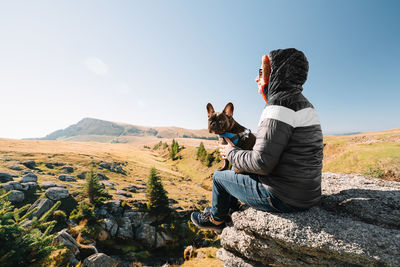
column 123, row 193
column 30, row 177
column 66, row 239
column 147, row 235
column 102, row 176
column 57, row 193
column 5, row 177
column 29, row 186
column 29, row 164
column 15, row 167
column 43, row 205
column 66, row 178
column 16, row 196
column 110, row 225
column 67, row 169
column 100, row 260
column 357, row 224
column 125, row 229
column 48, row 184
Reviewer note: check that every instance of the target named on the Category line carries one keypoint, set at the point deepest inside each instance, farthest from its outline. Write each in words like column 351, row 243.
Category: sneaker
column 228, row 219
column 203, row 220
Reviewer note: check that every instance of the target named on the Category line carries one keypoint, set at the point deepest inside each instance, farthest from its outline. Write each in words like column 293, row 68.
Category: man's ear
column 210, row 109
column 228, row 110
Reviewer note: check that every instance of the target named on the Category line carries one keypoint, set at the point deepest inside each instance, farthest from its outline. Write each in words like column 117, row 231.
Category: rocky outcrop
column 43, row 205
column 31, row 164
column 100, row 260
column 56, row 193
column 5, row 177
column 357, row 224
column 30, row 177
column 16, row 196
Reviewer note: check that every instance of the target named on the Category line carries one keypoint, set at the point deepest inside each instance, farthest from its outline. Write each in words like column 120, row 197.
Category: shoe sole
column 216, row 230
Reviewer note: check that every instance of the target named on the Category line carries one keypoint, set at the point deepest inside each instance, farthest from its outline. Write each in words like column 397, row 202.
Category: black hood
column 289, row 68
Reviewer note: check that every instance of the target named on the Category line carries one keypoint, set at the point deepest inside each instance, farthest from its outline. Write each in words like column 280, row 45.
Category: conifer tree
column 93, row 188
column 157, row 200
column 23, row 242
column 174, row 149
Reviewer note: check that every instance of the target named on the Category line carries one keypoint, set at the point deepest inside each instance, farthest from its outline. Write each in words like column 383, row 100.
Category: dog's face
column 220, row 122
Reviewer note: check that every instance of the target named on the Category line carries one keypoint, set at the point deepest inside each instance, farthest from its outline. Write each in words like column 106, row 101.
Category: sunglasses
column 260, row 73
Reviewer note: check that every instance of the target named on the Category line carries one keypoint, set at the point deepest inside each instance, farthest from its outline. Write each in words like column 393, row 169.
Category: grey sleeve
column 272, row 138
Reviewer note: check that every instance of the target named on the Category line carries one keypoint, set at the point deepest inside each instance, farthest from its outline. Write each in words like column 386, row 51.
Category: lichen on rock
column 357, row 223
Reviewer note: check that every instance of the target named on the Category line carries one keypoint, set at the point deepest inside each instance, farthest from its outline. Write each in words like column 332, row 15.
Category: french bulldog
column 223, row 124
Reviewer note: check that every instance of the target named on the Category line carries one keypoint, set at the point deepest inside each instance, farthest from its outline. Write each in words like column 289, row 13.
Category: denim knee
column 217, row 176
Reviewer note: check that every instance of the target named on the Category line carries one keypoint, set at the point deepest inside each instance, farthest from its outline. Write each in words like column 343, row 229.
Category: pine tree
column 157, row 200
column 93, row 188
column 24, row 243
column 174, row 149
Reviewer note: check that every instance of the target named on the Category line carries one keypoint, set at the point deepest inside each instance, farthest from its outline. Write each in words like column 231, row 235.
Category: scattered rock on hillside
column 16, row 196
column 66, row 178
column 46, row 185
column 43, row 205
column 102, row 176
column 100, row 260
column 15, row 167
column 31, row 164
column 26, row 171
column 81, row 175
column 66, row 239
column 108, row 183
column 29, row 186
column 49, row 165
column 5, row 177
column 58, row 164
column 57, row 193
column 105, row 165
column 123, row 193
column 30, row 177
column 13, row 185
column 67, row 169
column 357, row 223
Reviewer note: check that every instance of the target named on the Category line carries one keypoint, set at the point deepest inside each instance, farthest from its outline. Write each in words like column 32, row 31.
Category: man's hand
column 224, row 149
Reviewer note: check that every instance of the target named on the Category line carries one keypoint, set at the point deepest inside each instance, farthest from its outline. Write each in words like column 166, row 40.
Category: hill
column 89, row 129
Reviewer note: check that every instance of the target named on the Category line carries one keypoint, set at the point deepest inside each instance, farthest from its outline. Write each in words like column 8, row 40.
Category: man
column 283, row 171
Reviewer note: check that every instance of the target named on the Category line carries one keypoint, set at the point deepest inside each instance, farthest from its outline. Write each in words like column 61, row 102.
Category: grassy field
column 180, row 186
column 375, row 154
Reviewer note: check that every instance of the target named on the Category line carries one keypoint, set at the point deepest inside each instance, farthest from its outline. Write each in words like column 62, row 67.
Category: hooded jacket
column 287, row 154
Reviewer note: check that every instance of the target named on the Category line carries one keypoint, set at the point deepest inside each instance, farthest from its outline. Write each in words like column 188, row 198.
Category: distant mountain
column 94, row 129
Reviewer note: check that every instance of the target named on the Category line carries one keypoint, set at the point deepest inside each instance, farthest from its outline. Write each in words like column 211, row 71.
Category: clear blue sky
column 158, row 63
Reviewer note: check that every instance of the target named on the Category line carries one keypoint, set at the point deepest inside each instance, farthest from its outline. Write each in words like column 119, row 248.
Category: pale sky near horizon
column 158, row 63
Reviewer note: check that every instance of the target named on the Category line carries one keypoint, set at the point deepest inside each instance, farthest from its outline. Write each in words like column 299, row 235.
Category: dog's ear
column 228, row 110
column 210, row 109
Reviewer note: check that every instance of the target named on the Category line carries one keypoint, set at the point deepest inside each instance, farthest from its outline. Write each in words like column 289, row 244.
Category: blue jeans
column 229, row 187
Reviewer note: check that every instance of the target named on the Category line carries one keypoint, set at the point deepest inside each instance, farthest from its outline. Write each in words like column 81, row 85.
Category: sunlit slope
column 375, row 154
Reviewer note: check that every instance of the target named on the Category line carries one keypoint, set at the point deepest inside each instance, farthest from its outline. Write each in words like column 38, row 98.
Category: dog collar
column 236, row 137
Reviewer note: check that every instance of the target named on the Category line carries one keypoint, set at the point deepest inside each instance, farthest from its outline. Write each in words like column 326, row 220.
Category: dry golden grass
column 139, row 160
column 208, row 259
column 375, row 154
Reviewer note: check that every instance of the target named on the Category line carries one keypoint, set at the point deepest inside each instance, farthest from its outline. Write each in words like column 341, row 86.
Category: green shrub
column 24, row 243
column 374, row 171
column 84, row 211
